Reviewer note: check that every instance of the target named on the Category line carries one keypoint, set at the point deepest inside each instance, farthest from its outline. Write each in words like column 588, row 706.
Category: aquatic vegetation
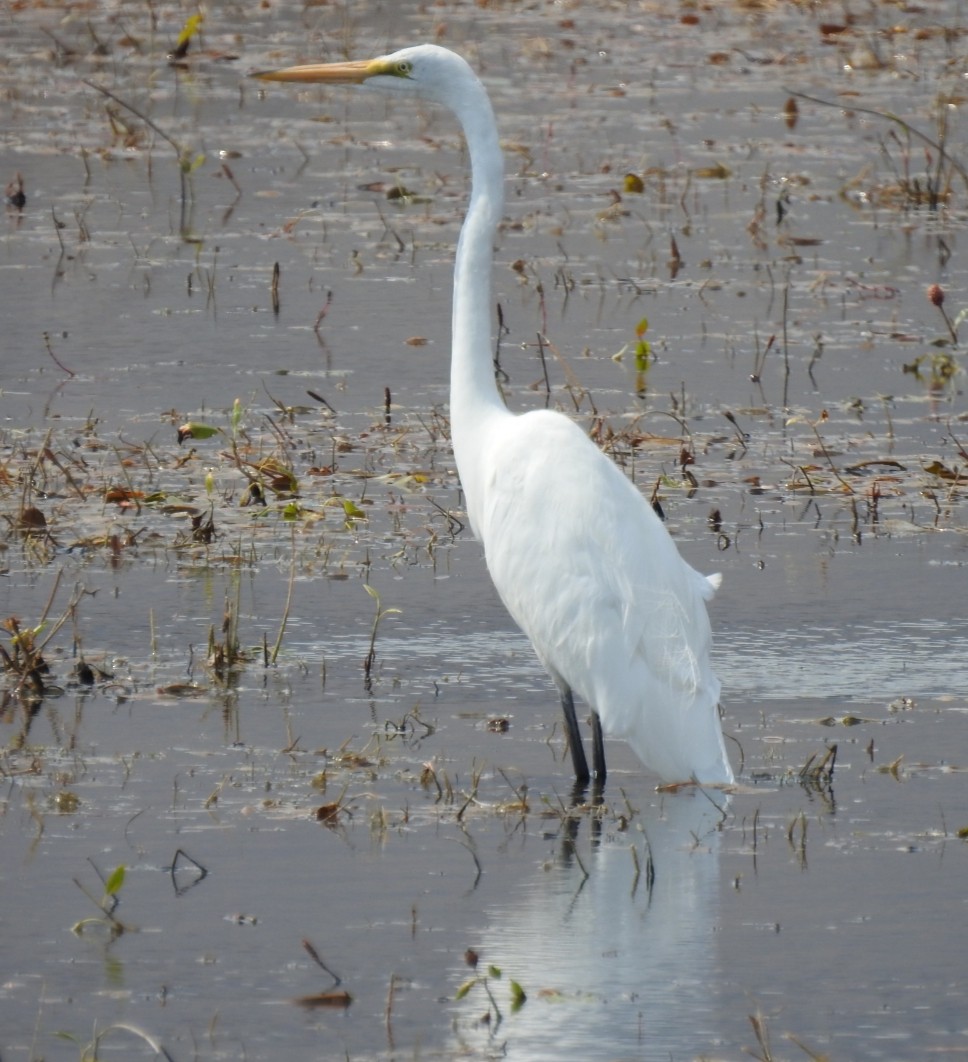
column 184, row 627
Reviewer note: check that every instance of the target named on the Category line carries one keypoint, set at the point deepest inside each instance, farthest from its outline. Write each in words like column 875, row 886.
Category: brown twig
column 888, row 116
column 50, row 350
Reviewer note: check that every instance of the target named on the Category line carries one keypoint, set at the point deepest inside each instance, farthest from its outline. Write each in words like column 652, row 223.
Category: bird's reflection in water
column 616, row 952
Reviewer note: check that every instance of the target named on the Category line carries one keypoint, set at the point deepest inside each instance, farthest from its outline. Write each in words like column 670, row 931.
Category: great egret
column 578, row 556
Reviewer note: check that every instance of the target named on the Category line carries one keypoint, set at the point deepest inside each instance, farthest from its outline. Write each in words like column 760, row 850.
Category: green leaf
column 26, row 637
column 518, row 996
column 494, row 971
column 113, row 885
column 191, row 27
column 195, row 430
column 642, row 327
column 353, row 512
column 291, row 511
column 465, row 988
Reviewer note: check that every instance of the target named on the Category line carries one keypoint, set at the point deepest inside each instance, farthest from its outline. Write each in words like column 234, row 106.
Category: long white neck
column 474, row 397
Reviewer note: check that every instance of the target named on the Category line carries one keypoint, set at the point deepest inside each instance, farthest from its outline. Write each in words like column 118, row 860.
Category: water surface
column 781, row 261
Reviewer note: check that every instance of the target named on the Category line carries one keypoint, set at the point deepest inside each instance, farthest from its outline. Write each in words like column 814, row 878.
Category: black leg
column 598, row 750
column 574, row 739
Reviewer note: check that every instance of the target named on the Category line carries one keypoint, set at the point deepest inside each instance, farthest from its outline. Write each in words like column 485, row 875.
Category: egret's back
column 593, row 578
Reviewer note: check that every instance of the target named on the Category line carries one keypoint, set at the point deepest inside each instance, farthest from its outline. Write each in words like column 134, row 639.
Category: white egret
column 577, row 555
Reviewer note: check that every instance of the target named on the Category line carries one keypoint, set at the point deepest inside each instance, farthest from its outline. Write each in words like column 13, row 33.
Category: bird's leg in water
column 574, row 739
column 598, row 750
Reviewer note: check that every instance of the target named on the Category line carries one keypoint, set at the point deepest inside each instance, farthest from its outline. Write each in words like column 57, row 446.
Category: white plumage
column 578, row 556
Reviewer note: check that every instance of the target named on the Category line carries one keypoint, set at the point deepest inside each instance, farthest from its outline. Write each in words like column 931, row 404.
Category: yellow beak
column 349, row 73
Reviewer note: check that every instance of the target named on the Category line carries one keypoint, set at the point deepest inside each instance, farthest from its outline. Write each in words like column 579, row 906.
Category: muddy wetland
column 279, row 777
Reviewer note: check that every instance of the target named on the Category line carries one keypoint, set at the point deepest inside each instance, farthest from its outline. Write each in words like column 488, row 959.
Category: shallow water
column 834, row 913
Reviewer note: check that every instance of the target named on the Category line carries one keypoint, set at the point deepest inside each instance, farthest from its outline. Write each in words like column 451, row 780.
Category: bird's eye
column 404, row 68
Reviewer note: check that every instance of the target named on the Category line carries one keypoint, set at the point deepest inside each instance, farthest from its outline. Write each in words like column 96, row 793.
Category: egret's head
column 425, row 71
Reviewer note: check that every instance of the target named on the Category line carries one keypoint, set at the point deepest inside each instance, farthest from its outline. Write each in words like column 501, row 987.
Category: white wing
column 591, row 575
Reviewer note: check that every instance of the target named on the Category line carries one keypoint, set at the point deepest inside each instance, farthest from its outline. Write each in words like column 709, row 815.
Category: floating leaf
column 791, row 112
column 465, row 988
column 936, row 468
column 518, row 996
column 353, row 760
column 183, row 689
column 339, row 998
column 328, row 814
column 551, row 993
column 281, row 477
column 353, row 512
column 634, row 183
column 196, row 430
column 66, row 801
column 120, row 495
column 719, row 172
column 32, row 518
column 113, row 885
column 494, row 971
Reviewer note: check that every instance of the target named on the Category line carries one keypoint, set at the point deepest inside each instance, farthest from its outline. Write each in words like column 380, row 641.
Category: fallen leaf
column 719, row 172
column 325, row 999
